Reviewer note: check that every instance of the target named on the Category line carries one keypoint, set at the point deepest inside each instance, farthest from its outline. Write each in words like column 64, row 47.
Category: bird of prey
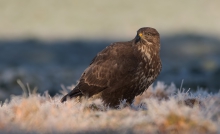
column 122, row 70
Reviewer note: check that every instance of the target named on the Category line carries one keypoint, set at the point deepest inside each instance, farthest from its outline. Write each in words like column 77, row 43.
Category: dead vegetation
column 161, row 109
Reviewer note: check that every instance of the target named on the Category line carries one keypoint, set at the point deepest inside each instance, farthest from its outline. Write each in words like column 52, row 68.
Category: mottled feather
column 122, row 70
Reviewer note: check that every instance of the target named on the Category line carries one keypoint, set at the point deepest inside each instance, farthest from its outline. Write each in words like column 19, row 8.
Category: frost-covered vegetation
column 161, row 109
column 50, row 43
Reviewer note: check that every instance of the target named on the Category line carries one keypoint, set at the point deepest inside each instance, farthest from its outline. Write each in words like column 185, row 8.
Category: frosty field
column 48, row 44
column 161, row 109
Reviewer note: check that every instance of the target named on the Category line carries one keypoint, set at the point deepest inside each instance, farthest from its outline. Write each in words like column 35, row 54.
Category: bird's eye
column 149, row 34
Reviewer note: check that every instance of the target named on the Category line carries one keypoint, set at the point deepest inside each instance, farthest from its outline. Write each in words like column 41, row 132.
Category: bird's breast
column 149, row 67
column 144, row 52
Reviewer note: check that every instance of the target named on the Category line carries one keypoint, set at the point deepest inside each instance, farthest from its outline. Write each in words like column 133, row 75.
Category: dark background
column 50, row 43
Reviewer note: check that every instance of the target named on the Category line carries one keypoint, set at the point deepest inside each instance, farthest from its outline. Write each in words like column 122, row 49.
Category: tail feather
column 74, row 93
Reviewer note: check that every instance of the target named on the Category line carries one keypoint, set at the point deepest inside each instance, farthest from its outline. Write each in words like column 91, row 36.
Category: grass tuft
column 160, row 109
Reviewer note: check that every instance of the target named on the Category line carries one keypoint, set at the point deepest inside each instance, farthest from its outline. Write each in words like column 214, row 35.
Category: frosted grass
column 160, row 109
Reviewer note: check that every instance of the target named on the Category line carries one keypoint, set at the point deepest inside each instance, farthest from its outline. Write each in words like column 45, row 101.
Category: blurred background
column 49, row 43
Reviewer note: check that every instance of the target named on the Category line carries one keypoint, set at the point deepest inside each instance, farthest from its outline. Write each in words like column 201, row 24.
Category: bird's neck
column 147, row 51
column 149, row 56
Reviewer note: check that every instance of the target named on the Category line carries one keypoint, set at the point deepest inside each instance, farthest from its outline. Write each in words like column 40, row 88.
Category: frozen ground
column 162, row 109
column 49, row 43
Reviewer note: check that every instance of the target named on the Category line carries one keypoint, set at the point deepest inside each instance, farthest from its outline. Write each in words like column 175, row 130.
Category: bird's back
column 122, row 70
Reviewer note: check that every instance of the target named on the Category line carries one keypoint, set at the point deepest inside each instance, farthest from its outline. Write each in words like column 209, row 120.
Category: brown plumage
column 122, row 70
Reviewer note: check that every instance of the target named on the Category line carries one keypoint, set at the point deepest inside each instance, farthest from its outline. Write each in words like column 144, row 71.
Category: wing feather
column 108, row 69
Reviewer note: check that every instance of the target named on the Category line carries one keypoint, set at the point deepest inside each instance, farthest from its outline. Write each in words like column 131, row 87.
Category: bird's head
column 147, row 35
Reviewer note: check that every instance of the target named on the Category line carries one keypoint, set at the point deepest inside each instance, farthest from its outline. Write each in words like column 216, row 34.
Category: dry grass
column 162, row 109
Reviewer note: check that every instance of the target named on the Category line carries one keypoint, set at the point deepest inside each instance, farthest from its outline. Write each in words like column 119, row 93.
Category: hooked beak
column 138, row 37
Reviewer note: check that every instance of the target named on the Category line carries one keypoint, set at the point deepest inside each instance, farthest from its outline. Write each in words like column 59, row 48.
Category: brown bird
column 122, row 70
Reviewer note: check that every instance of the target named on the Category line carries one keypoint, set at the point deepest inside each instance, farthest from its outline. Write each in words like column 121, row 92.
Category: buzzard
column 122, row 70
